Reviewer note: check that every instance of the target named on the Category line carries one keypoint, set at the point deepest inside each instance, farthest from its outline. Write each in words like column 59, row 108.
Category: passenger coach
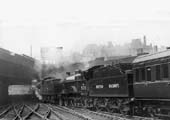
column 152, row 83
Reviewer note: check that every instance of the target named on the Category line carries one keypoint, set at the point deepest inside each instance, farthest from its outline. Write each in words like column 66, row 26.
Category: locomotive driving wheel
column 124, row 110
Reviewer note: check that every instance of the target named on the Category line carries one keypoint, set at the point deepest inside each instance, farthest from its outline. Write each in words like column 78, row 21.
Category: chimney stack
column 144, row 40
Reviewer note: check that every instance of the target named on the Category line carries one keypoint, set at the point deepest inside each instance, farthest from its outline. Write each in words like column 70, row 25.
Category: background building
column 139, row 47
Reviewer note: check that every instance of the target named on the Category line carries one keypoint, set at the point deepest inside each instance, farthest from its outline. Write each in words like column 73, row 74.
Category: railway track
column 41, row 111
column 95, row 115
column 35, row 112
column 38, row 111
column 107, row 116
column 69, row 114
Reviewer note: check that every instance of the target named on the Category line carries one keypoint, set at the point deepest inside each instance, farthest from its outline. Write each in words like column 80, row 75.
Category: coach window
column 148, row 71
column 165, row 70
column 143, row 74
column 158, row 72
column 137, row 75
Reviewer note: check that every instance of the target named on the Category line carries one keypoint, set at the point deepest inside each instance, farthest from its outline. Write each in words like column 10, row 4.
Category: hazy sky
column 75, row 23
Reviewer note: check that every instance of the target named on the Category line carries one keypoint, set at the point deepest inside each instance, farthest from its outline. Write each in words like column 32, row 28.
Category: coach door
column 130, row 82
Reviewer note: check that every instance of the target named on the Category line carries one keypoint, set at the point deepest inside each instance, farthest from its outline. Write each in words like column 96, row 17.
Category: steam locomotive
column 140, row 87
column 49, row 89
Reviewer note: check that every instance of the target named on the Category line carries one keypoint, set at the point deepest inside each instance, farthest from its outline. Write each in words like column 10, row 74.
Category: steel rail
column 119, row 116
column 132, row 117
column 5, row 111
column 59, row 116
column 30, row 113
column 18, row 113
column 108, row 116
column 74, row 113
column 112, row 117
column 47, row 114
column 36, row 113
column 69, row 109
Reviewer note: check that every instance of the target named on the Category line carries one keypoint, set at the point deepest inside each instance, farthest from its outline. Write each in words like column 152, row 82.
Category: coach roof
column 152, row 56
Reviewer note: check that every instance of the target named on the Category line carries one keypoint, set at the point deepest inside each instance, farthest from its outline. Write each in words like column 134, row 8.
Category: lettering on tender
column 114, row 86
column 99, row 86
